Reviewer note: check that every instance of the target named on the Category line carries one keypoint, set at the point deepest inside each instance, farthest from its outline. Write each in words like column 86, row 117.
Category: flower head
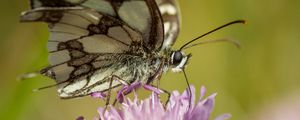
column 152, row 109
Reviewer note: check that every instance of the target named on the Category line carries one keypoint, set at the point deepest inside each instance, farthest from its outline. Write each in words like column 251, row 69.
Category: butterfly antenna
column 236, row 43
column 189, row 88
column 216, row 29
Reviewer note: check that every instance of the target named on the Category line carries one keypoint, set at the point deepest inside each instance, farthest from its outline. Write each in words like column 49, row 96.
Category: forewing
column 141, row 15
column 171, row 18
column 83, row 44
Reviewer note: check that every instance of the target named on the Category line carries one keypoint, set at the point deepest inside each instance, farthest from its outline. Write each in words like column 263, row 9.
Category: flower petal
column 202, row 92
column 100, row 95
column 223, row 117
column 152, row 109
column 154, row 89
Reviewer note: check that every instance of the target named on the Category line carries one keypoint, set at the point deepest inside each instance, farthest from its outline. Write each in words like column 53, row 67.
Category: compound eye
column 177, row 57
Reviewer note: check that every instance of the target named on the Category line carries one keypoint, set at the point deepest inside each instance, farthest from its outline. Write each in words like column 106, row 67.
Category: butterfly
column 92, row 42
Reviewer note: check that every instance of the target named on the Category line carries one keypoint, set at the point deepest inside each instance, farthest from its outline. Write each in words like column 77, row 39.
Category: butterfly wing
column 142, row 15
column 171, row 17
column 86, row 40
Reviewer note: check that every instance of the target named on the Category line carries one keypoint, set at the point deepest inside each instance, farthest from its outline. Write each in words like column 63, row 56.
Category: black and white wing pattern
column 91, row 40
column 141, row 15
column 171, row 16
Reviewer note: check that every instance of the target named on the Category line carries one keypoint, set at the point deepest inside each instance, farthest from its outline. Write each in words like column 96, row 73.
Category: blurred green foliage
column 265, row 69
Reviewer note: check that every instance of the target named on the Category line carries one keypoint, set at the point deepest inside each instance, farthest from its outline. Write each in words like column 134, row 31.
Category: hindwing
column 171, row 18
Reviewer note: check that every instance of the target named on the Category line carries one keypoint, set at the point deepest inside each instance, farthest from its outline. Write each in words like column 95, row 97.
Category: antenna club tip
column 242, row 21
column 245, row 22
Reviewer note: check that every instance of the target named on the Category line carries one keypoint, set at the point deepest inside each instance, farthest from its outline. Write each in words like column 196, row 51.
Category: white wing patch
column 98, row 64
column 52, row 46
column 62, row 72
column 100, row 5
column 71, row 88
column 167, row 26
column 168, row 9
column 171, row 28
column 62, row 36
column 136, row 14
column 102, row 44
column 59, row 57
column 93, row 17
column 104, row 86
column 31, row 16
column 81, row 22
column 99, row 75
column 135, row 36
column 120, row 34
column 59, row 27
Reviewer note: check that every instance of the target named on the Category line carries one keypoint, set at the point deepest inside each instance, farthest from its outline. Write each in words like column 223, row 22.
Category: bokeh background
column 257, row 82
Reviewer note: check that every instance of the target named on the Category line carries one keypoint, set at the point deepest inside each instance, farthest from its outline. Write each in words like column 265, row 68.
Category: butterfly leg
column 114, row 77
column 158, row 91
column 102, row 95
column 126, row 90
column 108, row 95
column 120, row 80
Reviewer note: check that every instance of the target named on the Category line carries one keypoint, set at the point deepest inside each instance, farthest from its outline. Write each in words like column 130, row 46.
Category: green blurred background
column 265, row 72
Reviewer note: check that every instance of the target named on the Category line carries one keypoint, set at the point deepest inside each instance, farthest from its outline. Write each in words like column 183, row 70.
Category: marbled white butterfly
column 94, row 42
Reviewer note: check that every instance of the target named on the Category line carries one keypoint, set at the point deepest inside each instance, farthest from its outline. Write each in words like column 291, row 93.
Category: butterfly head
column 178, row 60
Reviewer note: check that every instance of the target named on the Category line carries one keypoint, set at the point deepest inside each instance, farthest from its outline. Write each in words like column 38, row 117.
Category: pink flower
column 152, row 109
